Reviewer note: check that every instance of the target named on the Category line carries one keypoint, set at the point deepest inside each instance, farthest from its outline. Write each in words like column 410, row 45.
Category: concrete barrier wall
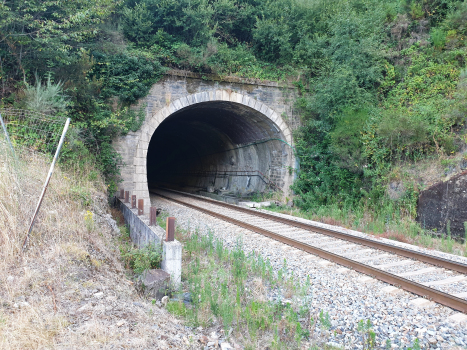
column 140, row 232
column 142, row 235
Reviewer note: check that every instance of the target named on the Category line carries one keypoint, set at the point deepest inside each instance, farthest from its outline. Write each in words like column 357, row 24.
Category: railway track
column 438, row 279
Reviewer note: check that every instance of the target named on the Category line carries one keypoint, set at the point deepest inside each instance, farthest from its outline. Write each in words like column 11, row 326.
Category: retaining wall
column 142, row 235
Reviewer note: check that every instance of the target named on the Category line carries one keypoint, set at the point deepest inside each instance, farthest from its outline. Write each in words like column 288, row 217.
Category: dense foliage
column 381, row 82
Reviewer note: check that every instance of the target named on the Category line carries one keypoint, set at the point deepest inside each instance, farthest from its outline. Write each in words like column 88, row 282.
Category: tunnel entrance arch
column 217, row 138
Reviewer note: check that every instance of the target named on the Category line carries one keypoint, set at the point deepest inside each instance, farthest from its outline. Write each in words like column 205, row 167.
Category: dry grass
column 48, row 292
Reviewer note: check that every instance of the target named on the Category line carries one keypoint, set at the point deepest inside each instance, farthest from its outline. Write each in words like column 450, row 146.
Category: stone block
column 458, row 317
column 237, row 97
column 391, row 290
column 141, row 153
column 184, row 102
column 258, row 105
column 274, row 117
column 251, row 102
column 143, row 145
column 172, row 108
column 225, row 96
column 190, row 100
column 218, row 95
column 139, row 194
column 163, row 113
column 366, row 280
column 154, row 283
column 140, row 169
column 343, row 270
column 421, row 302
column 264, row 109
column 269, row 112
column 141, row 186
column 140, row 161
column 177, row 104
column 212, row 95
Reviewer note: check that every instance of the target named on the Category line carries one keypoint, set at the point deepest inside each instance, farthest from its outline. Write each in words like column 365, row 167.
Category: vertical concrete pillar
column 172, row 261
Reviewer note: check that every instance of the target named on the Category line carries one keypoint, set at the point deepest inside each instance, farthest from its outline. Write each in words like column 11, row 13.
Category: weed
column 369, row 336
column 325, row 320
column 415, row 346
column 139, row 260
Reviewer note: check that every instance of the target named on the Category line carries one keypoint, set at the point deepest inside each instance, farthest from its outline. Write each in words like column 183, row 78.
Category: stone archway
column 135, row 175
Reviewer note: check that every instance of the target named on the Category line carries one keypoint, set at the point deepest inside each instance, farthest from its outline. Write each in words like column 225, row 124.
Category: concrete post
column 172, row 261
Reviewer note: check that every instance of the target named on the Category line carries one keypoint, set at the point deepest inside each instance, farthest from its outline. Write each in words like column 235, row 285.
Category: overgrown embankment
column 382, row 84
column 69, row 288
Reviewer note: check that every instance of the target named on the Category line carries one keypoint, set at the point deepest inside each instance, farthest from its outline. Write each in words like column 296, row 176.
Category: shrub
column 47, row 99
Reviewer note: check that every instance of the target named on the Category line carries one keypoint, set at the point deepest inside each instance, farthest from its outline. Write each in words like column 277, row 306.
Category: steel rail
column 408, row 285
column 430, row 259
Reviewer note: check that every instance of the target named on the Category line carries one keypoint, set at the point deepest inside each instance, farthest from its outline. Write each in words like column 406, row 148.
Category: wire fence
column 26, row 138
column 32, row 131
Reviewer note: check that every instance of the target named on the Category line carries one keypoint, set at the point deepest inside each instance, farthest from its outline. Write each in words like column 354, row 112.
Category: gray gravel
column 341, row 294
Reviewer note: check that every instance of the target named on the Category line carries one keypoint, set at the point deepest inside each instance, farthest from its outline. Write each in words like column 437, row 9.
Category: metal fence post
column 49, row 175
column 6, row 135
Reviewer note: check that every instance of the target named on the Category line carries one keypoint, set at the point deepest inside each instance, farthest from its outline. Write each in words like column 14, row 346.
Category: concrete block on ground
column 391, row 290
column 343, row 270
column 154, row 283
column 366, row 280
column 421, row 302
column 172, row 261
column 458, row 317
column 325, row 263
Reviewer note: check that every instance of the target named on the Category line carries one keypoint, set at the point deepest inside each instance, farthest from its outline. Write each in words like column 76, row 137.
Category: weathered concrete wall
column 143, row 235
column 445, row 202
column 174, row 93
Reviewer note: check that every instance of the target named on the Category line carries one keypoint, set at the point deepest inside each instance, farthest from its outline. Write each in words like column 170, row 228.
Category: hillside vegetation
column 382, row 84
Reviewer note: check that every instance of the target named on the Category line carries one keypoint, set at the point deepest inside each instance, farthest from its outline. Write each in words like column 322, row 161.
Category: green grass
column 387, row 223
column 230, row 289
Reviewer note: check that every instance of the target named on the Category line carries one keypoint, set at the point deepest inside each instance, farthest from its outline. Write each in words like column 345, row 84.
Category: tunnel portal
column 216, row 139
column 218, row 146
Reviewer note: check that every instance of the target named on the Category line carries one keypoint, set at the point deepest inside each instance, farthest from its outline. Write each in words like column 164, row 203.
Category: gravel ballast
column 342, row 294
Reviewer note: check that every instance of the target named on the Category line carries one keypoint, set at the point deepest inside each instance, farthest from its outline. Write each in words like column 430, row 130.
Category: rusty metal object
column 416, row 288
column 170, row 229
column 140, row 206
column 127, row 197
column 133, row 201
column 152, row 216
column 122, row 193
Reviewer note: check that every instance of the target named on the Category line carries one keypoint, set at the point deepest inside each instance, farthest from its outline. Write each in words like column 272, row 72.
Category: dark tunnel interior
column 216, row 146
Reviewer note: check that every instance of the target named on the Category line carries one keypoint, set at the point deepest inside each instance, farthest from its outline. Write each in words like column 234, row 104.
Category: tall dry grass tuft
column 67, row 290
column 29, row 317
column 61, row 216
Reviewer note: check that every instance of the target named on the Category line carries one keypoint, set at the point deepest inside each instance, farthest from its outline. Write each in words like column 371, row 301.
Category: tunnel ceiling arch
column 208, row 129
column 211, row 131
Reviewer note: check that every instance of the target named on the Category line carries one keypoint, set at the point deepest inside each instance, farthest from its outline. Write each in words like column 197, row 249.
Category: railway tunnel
column 218, row 146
